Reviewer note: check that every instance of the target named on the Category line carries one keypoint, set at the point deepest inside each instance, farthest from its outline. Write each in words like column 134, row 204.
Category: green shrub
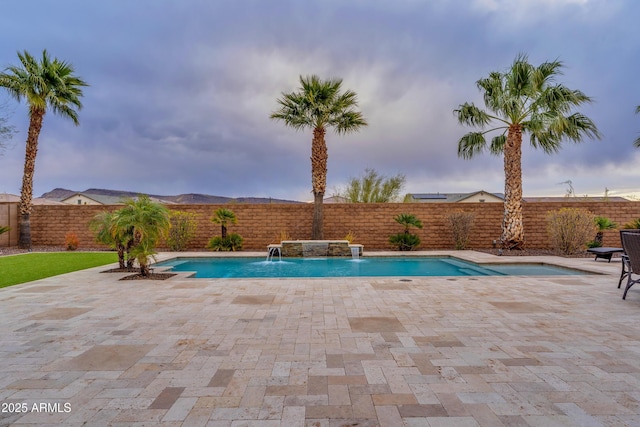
column 232, row 242
column 183, row 229
column 570, row 229
column 460, row 223
column 4, row 229
column 405, row 241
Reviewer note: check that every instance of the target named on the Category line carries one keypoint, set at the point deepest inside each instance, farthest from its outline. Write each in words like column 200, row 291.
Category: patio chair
column 631, row 258
column 625, row 270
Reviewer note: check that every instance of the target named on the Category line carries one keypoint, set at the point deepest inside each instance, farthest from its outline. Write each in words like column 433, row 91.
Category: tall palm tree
column 319, row 104
column 524, row 99
column 45, row 84
column 637, row 141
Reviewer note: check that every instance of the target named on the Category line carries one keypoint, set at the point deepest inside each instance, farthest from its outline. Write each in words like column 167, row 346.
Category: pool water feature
column 240, row 267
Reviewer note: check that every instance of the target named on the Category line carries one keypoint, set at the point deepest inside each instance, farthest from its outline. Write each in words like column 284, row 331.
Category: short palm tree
column 45, row 84
column 224, row 217
column 406, row 241
column 408, row 220
column 524, row 99
column 107, row 232
column 149, row 222
column 319, row 104
column 637, row 141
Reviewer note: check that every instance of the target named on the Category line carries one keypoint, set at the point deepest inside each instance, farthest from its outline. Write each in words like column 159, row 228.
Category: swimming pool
column 239, row 267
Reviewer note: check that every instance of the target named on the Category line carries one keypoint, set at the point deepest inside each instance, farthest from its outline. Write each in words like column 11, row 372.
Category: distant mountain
column 187, row 199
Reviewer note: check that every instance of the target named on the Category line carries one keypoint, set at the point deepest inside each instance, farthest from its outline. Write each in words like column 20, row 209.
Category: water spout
column 272, row 250
column 355, row 252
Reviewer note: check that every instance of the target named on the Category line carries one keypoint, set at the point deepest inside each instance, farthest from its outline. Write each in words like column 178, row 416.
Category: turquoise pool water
column 347, row 267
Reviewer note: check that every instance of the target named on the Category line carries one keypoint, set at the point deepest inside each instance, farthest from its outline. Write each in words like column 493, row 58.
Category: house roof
column 12, row 198
column 575, row 199
column 111, row 200
column 451, row 197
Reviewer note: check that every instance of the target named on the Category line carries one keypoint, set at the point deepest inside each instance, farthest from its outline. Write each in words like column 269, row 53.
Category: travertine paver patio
column 88, row 349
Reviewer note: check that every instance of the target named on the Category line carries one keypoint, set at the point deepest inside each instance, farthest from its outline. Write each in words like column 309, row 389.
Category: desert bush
column 231, row 242
column 182, row 230
column 570, row 229
column 282, row 235
column 71, row 241
column 460, row 223
column 350, row 237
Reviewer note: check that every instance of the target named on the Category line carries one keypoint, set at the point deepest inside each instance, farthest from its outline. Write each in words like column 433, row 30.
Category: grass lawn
column 23, row 268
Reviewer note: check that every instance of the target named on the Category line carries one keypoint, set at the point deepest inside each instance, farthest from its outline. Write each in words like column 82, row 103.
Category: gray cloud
column 181, row 92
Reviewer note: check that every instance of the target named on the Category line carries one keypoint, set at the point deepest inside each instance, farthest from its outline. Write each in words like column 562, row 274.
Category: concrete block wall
column 261, row 224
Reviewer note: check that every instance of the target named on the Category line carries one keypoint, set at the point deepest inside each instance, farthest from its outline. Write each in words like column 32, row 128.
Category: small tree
column 107, row 232
column 183, row 229
column 231, row 242
column 406, row 241
column 460, row 224
column 149, row 222
column 602, row 223
column 570, row 229
column 372, row 187
column 224, row 217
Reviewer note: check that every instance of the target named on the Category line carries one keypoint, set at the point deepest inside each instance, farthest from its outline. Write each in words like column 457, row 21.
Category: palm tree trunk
column 120, row 249
column 512, row 229
column 319, row 158
column 36, row 115
column 144, row 268
column 223, row 231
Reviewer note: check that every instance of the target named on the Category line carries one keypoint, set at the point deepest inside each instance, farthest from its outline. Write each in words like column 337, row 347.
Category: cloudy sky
column 181, row 91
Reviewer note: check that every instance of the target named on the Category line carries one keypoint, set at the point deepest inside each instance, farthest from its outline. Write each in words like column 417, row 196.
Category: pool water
column 347, row 267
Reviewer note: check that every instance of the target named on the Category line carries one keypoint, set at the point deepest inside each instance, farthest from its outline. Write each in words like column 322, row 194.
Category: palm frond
column 318, row 104
column 470, row 115
column 545, row 74
column 497, row 144
column 471, row 144
column 45, row 83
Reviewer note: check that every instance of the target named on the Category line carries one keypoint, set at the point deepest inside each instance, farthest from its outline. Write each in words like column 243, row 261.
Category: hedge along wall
column 261, row 224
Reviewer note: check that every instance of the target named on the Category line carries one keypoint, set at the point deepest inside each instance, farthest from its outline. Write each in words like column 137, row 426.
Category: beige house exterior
column 80, row 199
